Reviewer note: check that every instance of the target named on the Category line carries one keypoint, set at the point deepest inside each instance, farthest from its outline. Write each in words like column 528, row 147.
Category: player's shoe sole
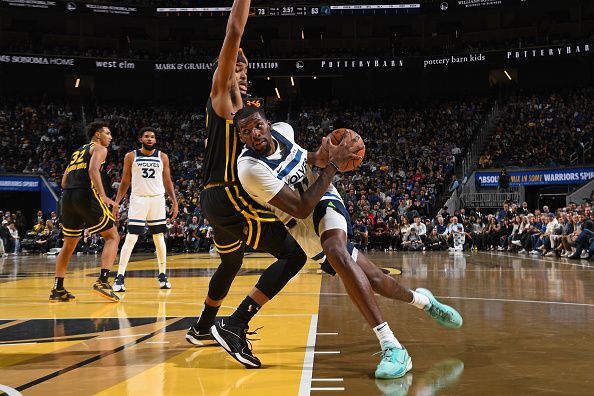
column 200, row 337
column 104, row 290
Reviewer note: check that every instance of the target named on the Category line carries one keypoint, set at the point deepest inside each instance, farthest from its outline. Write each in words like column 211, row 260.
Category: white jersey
column 263, row 178
column 147, row 174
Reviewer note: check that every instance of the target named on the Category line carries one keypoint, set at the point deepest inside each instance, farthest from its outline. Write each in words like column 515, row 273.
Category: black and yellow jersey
column 77, row 171
column 222, row 149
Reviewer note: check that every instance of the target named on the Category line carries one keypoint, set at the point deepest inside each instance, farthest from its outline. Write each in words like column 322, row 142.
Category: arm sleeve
column 258, row 181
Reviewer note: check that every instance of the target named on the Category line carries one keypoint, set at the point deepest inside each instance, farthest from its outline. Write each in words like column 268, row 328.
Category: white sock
column 126, row 252
column 419, row 300
column 159, row 240
column 384, row 334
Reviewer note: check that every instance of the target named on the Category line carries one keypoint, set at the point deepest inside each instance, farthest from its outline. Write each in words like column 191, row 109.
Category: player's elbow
column 234, row 29
column 301, row 213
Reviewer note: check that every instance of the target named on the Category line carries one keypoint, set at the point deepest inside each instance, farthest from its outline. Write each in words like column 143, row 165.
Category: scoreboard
column 300, row 10
column 287, row 11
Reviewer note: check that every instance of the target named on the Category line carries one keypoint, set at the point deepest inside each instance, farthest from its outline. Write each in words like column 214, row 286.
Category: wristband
column 334, row 165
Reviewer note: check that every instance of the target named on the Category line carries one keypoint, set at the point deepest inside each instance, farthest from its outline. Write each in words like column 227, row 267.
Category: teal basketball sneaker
column 395, row 362
column 443, row 314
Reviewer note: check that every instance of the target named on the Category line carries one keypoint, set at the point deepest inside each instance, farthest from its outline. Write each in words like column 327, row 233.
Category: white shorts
column 304, row 233
column 146, row 210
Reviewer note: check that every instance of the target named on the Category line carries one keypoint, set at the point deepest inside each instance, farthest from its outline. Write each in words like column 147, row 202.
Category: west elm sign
column 538, row 177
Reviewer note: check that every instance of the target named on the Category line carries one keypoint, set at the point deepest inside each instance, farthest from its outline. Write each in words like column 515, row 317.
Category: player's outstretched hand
column 340, row 154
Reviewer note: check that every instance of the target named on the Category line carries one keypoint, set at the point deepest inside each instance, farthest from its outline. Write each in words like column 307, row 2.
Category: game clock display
column 254, row 102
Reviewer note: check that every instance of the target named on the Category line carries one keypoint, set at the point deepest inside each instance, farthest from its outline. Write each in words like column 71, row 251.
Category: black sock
column 245, row 312
column 104, row 274
column 58, row 283
column 207, row 317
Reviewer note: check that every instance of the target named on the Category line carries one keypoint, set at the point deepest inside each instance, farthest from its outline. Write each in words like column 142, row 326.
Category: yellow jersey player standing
column 84, row 204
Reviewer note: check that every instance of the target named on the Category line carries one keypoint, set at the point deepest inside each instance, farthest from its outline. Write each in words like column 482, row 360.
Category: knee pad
column 280, row 272
column 220, row 283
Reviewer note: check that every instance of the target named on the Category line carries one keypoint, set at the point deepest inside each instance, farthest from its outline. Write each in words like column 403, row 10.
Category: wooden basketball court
column 528, row 329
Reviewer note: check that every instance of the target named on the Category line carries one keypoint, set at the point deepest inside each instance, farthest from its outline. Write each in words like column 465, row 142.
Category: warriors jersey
column 77, row 171
column 222, row 149
column 147, row 174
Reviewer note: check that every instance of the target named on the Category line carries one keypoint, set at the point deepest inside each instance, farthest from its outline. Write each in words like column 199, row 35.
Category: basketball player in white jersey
column 274, row 170
column 147, row 170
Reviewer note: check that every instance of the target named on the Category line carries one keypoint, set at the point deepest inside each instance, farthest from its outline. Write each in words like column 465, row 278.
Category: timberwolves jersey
column 147, row 174
column 287, row 166
column 221, row 149
column 77, row 171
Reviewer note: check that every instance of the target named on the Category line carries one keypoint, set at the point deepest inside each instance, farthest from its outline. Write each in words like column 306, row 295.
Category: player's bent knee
column 337, row 255
column 376, row 278
column 111, row 234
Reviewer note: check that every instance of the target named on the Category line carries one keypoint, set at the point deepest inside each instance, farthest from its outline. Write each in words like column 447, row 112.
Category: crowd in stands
column 411, row 152
column 46, row 235
column 40, row 138
column 411, row 155
column 542, row 130
column 567, row 232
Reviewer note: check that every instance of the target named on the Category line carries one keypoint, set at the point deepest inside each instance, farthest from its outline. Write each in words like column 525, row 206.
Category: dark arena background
column 477, row 184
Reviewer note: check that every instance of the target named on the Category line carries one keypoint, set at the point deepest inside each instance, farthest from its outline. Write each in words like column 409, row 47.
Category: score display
column 291, row 10
column 287, row 11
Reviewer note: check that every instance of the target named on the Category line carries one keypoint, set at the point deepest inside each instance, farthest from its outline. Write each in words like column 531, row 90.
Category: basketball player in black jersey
column 237, row 220
column 84, row 204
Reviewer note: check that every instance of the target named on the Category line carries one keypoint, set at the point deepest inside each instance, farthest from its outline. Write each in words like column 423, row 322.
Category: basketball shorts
column 82, row 208
column 146, row 210
column 238, row 221
column 329, row 214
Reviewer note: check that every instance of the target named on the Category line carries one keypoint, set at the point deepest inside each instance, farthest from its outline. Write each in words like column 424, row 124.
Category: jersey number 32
column 148, row 173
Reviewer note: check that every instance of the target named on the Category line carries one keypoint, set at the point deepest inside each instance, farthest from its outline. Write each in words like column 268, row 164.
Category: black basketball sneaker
column 60, row 296
column 233, row 338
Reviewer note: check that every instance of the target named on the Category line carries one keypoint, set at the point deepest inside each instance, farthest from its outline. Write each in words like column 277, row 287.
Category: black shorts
column 82, row 208
column 238, row 220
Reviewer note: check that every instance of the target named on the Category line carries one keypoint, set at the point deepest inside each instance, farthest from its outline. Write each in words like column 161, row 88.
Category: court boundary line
column 516, row 300
column 308, row 360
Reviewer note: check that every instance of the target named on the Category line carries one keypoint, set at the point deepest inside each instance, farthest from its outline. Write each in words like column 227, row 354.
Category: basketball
column 336, row 137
